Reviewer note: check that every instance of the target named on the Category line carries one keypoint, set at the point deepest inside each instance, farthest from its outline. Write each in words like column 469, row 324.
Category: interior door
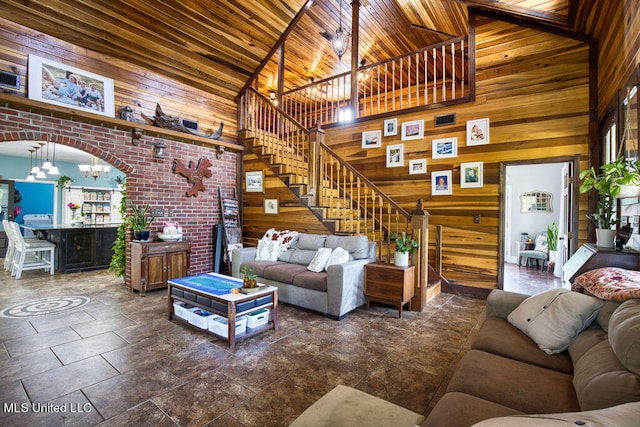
column 565, row 231
column 6, row 211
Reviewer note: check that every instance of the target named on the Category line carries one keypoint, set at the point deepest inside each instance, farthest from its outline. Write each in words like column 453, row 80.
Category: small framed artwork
column 59, row 84
column 395, row 155
column 371, row 139
column 417, row 166
column 254, row 182
column 440, row 183
column 471, row 175
column 390, row 127
column 271, row 206
column 478, row 132
column 413, row 130
column 444, row 148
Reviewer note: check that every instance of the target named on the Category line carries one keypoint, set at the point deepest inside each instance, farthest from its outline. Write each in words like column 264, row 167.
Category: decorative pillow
column 320, row 260
column 610, row 283
column 284, row 237
column 624, row 334
column 268, row 250
column 541, row 244
column 338, row 256
column 554, row 318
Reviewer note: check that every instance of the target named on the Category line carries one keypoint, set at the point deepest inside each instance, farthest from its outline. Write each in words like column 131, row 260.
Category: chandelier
column 94, row 169
column 340, row 41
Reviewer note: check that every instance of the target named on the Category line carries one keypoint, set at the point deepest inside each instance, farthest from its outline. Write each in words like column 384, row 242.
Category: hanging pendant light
column 340, row 41
column 35, row 169
column 41, row 174
column 30, row 177
column 54, row 169
column 47, row 165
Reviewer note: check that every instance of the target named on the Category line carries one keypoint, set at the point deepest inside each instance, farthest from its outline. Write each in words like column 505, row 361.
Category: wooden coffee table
column 215, row 293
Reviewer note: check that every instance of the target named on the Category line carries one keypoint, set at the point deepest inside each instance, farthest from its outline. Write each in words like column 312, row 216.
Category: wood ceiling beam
column 518, row 11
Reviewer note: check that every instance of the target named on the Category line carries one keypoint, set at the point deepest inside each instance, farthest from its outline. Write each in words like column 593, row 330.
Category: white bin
column 181, row 309
column 257, row 318
column 199, row 317
column 219, row 325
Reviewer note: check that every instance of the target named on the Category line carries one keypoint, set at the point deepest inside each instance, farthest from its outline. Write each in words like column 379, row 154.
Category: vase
column 401, row 259
column 629, row 191
column 76, row 216
column 605, row 238
column 141, row 234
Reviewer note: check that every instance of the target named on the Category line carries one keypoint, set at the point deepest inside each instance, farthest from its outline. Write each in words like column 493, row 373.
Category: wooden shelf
column 24, row 104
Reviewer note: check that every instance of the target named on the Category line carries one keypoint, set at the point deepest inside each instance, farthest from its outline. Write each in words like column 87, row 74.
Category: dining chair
column 32, row 254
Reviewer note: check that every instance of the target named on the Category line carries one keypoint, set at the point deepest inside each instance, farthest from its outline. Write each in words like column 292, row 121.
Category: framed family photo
column 254, row 182
column 371, row 139
column 444, row 148
column 395, row 155
column 412, row 130
column 417, row 166
column 59, row 84
column 471, row 175
column 271, row 206
column 441, row 183
column 390, row 127
column 478, row 132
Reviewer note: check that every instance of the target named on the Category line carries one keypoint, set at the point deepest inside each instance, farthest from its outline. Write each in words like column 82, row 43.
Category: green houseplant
column 552, row 237
column 118, row 262
column 404, row 245
column 140, row 221
column 608, row 183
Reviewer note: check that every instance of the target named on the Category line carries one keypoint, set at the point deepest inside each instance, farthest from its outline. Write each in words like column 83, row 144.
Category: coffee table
column 216, row 293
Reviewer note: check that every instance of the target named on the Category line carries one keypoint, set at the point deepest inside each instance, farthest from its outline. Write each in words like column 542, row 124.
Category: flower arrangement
column 73, row 206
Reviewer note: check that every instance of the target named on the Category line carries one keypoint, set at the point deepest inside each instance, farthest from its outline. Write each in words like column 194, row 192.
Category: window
column 535, row 201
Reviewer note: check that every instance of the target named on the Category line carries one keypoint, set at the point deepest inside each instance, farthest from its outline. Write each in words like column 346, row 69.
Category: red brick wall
column 148, row 181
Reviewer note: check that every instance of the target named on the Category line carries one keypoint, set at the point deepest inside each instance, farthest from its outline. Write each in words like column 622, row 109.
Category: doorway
column 533, row 196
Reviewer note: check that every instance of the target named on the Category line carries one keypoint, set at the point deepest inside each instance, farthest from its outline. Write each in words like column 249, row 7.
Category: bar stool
column 11, row 245
column 31, row 255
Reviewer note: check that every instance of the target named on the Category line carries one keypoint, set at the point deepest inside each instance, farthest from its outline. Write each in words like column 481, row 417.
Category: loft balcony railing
column 433, row 75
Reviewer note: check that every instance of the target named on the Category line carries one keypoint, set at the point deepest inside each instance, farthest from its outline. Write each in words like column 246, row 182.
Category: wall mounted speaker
column 445, row 119
column 9, row 80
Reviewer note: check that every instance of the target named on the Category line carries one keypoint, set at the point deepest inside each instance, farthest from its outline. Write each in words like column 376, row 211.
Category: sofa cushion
column 311, row 280
column 268, row 250
column 283, row 272
column 462, row 410
column 601, row 381
column 624, row 334
column 606, row 311
column 301, row 256
column 319, row 260
column 338, row 256
column 626, row 415
column 499, row 337
column 517, row 385
column 258, row 267
column 585, row 341
column 554, row 318
column 311, row 242
column 357, row 246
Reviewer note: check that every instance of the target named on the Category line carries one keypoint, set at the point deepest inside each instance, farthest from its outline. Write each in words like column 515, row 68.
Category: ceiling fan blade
column 422, row 27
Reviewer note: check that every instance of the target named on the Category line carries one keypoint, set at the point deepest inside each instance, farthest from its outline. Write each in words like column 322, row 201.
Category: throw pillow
column 541, row 244
column 624, row 334
column 319, row 260
column 554, row 318
column 285, row 238
column 610, row 283
column 338, row 256
column 268, row 250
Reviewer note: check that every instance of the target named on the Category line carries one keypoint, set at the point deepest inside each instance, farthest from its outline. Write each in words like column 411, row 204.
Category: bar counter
column 79, row 247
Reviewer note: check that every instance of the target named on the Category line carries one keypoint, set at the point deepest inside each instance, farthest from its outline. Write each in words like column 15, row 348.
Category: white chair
column 32, row 254
column 8, row 257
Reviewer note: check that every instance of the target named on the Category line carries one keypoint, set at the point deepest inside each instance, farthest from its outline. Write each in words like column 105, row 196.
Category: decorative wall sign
column 471, row 175
column 371, row 139
column 444, row 148
column 441, row 183
column 395, row 155
column 413, row 130
column 417, row 166
column 194, row 174
column 478, row 132
column 390, row 127
column 59, row 84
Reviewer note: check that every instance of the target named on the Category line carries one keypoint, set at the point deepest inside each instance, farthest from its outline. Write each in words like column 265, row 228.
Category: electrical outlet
column 476, row 218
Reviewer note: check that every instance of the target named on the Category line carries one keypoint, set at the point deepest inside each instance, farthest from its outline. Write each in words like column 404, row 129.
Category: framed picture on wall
column 412, row 130
column 444, row 148
column 390, row 127
column 441, row 183
column 417, row 166
column 478, row 132
column 254, row 182
column 471, row 175
column 371, row 139
column 66, row 86
column 271, row 206
column 395, row 155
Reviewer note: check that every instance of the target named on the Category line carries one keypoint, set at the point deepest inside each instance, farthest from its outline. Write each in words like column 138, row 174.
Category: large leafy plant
column 552, row 236
column 404, row 243
column 118, row 262
column 139, row 218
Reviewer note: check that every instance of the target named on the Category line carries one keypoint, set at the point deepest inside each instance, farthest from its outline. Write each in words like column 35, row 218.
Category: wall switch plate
column 476, row 218
column 157, row 211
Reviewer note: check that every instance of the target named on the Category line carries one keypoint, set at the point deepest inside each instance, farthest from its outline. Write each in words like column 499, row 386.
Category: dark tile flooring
column 118, row 361
column 528, row 280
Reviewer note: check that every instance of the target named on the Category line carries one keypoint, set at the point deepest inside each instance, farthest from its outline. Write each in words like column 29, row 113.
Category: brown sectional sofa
column 506, row 374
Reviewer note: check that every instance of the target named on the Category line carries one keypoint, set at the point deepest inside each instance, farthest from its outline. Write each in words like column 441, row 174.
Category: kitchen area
column 62, row 195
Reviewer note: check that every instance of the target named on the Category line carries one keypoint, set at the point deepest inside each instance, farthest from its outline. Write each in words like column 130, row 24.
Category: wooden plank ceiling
column 217, row 45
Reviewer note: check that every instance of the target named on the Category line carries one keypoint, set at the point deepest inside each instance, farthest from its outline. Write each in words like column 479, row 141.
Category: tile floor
column 528, row 280
column 118, row 361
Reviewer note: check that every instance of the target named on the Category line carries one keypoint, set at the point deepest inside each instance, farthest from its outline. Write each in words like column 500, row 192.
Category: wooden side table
column 388, row 284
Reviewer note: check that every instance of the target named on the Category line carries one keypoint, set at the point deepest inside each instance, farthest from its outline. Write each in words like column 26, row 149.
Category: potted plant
column 119, row 259
column 140, row 221
column 404, row 245
column 249, row 278
column 64, row 181
column 608, row 183
column 552, row 241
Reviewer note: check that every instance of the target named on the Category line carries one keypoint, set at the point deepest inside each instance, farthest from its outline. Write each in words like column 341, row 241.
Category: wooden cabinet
column 153, row 263
column 589, row 257
column 81, row 248
column 388, row 284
